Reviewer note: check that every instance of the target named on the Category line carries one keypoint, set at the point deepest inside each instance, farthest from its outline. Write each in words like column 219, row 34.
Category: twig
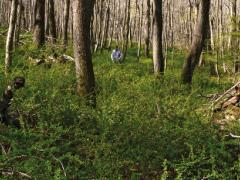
column 209, row 96
column 24, row 175
column 64, row 172
column 17, row 172
column 158, row 109
column 3, row 150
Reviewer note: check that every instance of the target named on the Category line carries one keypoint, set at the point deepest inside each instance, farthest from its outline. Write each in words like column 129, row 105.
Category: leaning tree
column 198, row 42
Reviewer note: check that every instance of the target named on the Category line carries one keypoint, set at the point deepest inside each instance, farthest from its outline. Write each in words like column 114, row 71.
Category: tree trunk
column 113, row 25
column 39, row 23
column 105, row 26
column 213, row 69
column 198, row 42
column 158, row 60
column 82, row 12
column 147, row 29
column 190, row 21
column 140, row 32
column 232, row 41
column 10, row 36
column 66, row 19
column 52, row 22
column 99, row 30
column 127, row 30
column 18, row 23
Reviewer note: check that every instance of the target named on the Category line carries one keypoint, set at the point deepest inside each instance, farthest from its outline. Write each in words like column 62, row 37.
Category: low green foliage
column 143, row 127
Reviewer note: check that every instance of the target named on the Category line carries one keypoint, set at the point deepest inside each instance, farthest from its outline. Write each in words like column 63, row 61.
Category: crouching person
column 116, row 55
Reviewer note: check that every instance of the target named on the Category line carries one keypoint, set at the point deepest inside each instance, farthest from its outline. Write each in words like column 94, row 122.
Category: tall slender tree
column 39, row 23
column 232, row 41
column 82, row 13
column 20, row 9
column 198, row 42
column 10, row 36
column 127, row 28
column 158, row 60
column 147, row 28
column 65, row 23
column 52, row 22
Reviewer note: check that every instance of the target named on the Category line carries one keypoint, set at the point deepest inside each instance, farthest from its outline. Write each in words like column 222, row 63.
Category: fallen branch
column 24, row 175
column 227, row 92
column 234, row 136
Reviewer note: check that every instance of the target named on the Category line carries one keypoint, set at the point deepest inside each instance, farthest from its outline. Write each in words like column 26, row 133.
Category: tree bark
column 99, row 22
column 232, row 40
column 113, row 25
column 39, row 23
column 158, row 60
column 147, row 29
column 105, row 26
column 10, row 36
column 198, row 42
column 52, row 22
column 127, row 29
column 66, row 19
column 82, row 12
column 140, row 32
column 20, row 9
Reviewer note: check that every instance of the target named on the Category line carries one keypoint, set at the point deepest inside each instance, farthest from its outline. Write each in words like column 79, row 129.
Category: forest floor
column 143, row 126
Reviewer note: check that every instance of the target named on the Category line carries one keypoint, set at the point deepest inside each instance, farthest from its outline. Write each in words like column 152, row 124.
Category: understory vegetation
column 143, row 126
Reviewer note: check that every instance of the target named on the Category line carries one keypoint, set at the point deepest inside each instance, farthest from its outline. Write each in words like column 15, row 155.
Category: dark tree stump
column 5, row 103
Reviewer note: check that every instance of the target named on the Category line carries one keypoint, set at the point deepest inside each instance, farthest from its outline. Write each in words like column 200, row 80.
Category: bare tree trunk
column 10, row 36
column 82, row 12
column 140, row 32
column 198, row 42
column 211, row 32
column 232, row 41
column 18, row 23
column 39, row 23
column 52, row 22
column 47, row 11
column 127, row 30
column 105, row 26
column 158, row 60
column 147, row 29
column 99, row 30
column 113, row 25
column 66, row 19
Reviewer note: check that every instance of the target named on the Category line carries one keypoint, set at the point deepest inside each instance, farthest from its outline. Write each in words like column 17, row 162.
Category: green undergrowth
column 143, row 126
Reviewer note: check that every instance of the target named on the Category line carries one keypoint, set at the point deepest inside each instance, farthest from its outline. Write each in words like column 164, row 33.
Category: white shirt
column 116, row 54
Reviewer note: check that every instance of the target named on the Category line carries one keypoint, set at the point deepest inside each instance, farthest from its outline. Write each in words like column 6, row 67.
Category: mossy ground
column 143, row 126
